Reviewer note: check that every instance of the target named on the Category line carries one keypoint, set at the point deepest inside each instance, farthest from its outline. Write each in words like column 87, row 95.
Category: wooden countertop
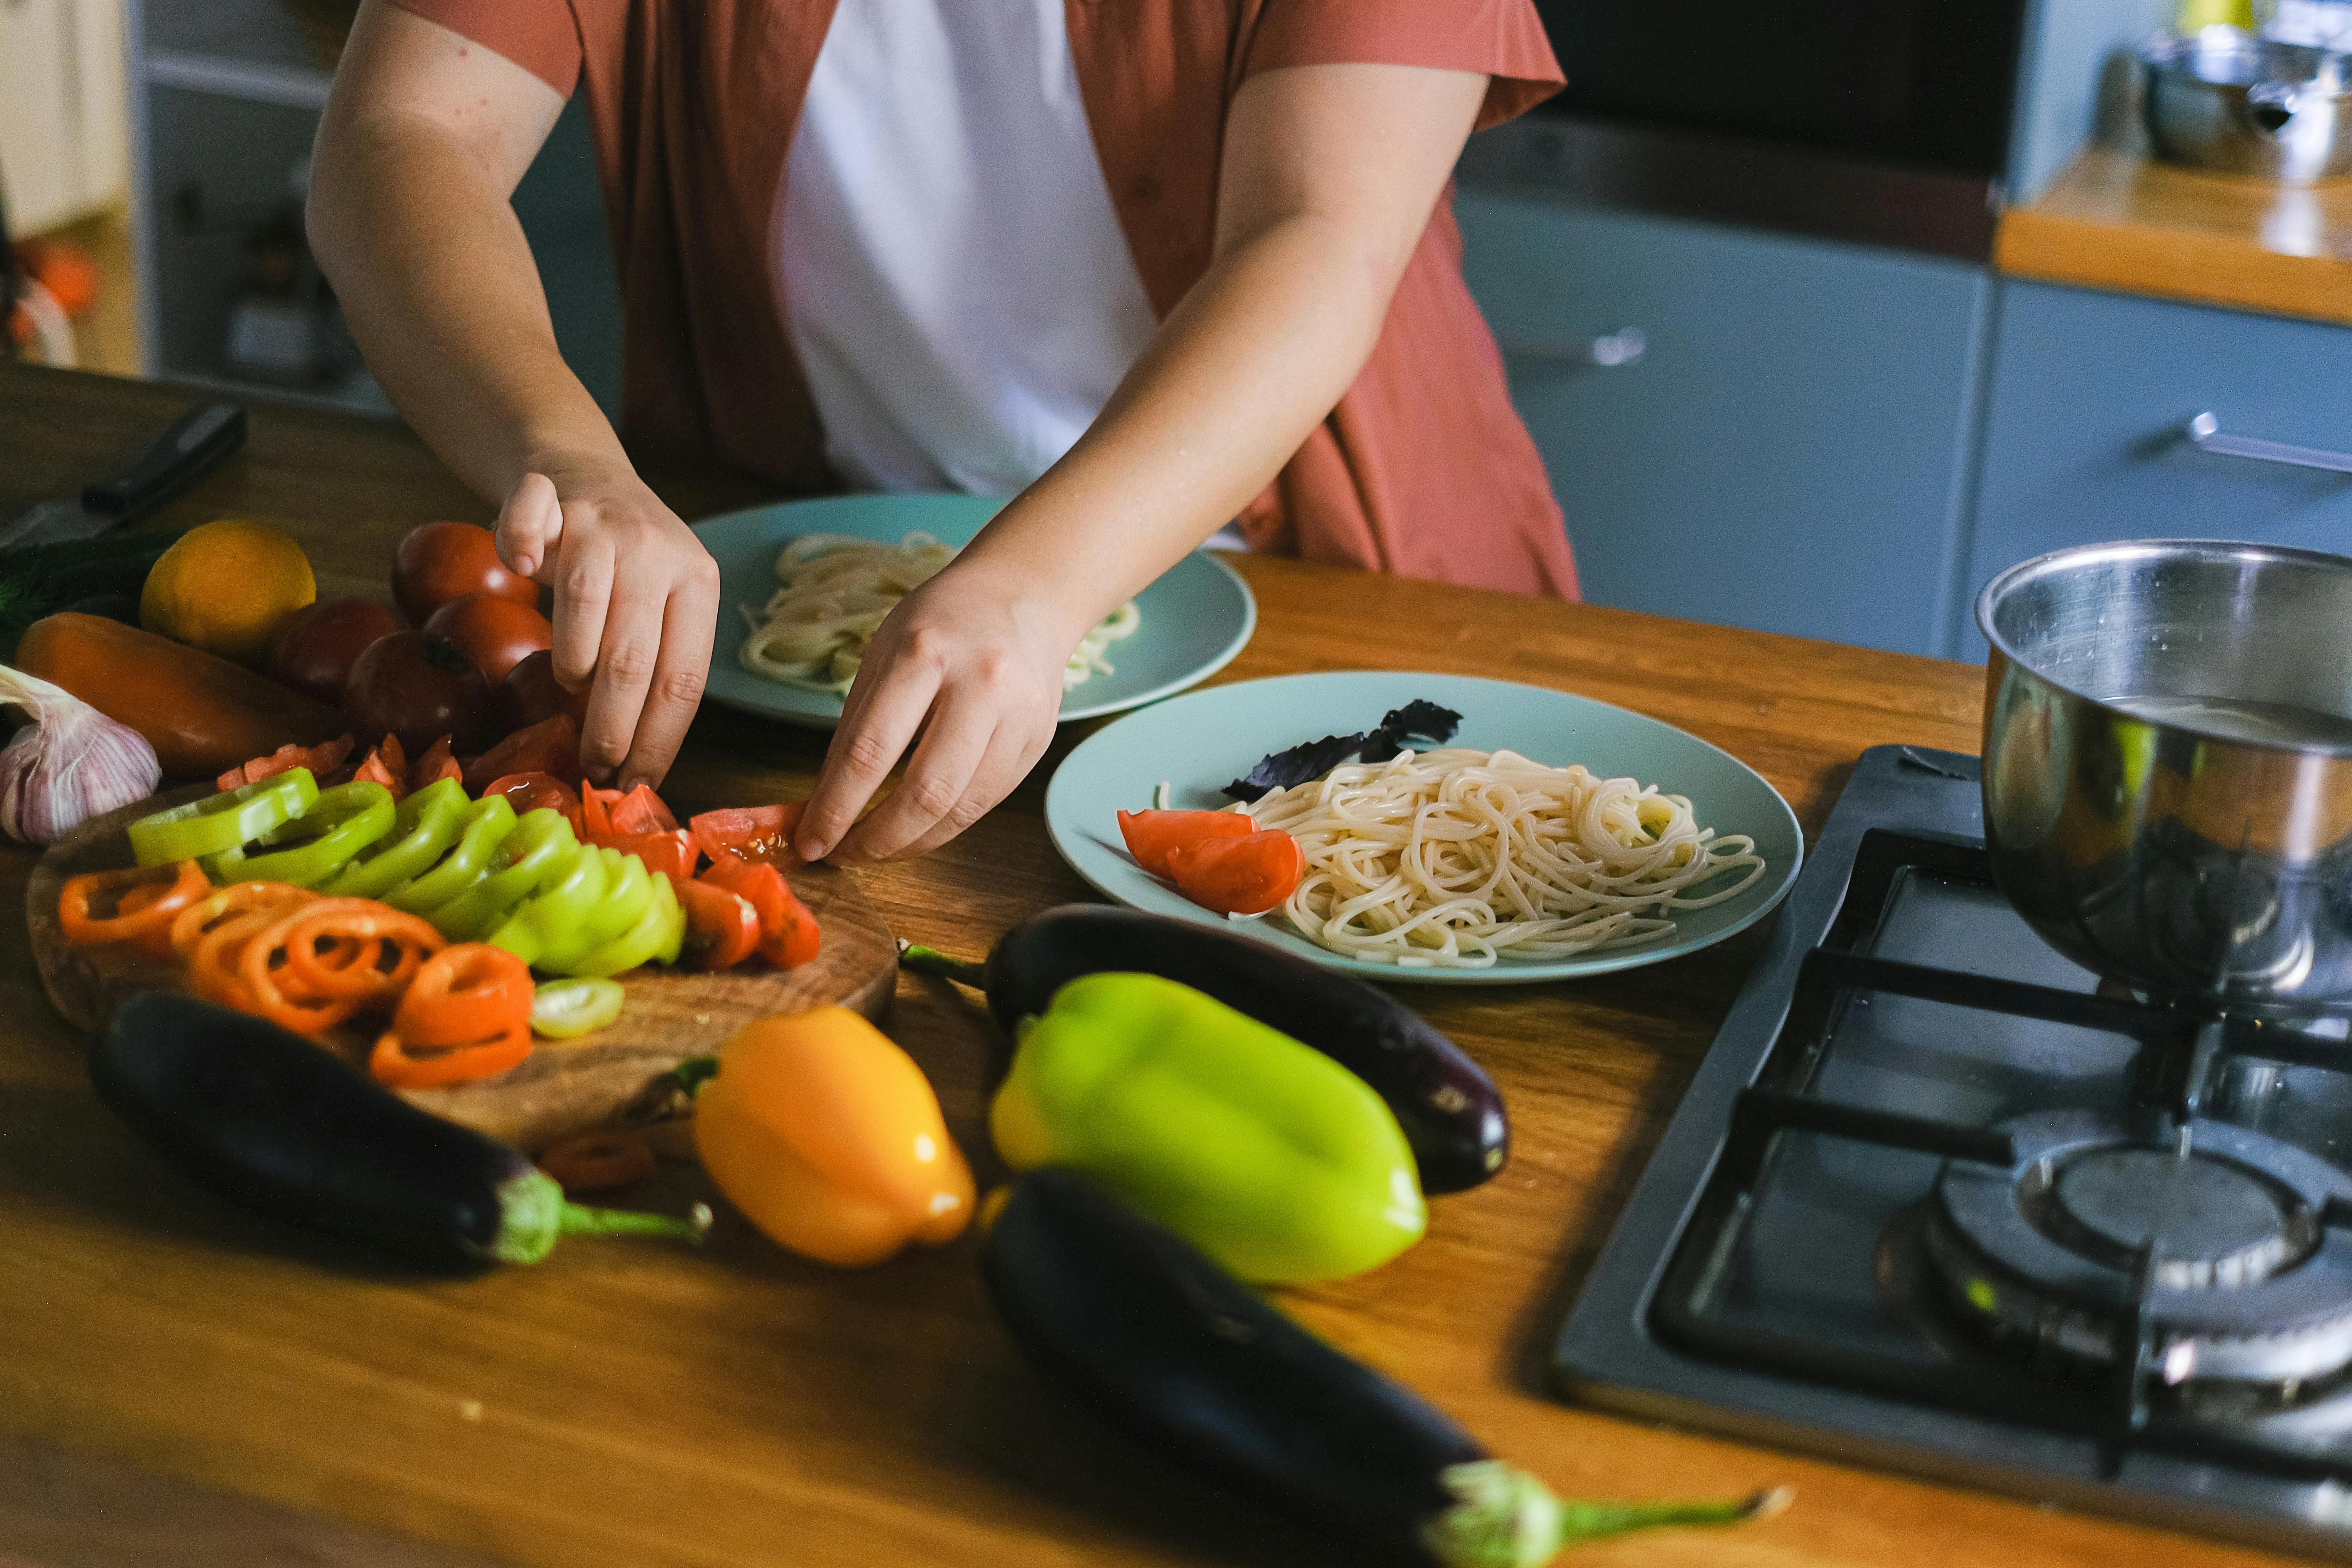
column 182, row 1384
column 2119, row 219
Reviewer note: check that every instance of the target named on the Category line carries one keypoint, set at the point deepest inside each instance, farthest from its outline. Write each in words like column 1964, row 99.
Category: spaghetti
column 836, row 589
column 1457, row 859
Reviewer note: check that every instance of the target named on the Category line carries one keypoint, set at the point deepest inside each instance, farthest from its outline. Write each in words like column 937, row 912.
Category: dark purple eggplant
column 276, row 1125
column 1451, row 1112
column 1162, row 1342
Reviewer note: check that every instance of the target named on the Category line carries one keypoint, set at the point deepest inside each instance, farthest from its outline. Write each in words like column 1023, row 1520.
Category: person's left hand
column 974, row 666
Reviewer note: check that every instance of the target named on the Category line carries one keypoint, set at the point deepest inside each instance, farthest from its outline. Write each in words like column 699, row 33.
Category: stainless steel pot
column 2168, row 764
column 2226, row 100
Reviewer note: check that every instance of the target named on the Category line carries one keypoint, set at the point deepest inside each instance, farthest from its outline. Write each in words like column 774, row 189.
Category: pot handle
column 2204, row 432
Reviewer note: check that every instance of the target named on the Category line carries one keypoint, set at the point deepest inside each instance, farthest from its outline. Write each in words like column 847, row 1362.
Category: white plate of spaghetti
column 805, row 585
column 1552, row 837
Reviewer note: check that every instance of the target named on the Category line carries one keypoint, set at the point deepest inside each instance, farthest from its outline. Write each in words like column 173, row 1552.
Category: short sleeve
column 1503, row 38
column 540, row 36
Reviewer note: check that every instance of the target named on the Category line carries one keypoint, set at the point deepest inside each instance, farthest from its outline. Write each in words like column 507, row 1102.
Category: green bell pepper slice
column 665, row 894
column 628, row 894
column 484, row 823
column 220, row 823
column 643, row 943
column 318, row 844
column 556, row 912
column 423, row 828
column 566, row 1009
column 1268, row 1155
column 526, row 860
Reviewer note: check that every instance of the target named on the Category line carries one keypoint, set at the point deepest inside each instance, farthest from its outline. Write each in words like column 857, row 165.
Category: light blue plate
column 1196, row 618
column 1201, row 742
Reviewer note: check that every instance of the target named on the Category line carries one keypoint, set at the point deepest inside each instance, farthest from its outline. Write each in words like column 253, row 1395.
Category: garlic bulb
column 70, row 763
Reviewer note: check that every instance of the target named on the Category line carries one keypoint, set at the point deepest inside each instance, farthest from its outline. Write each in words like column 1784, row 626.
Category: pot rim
column 2120, row 551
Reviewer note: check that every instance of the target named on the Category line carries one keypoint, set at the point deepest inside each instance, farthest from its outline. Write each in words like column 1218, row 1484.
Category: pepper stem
column 1505, row 1518
column 924, row 959
column 691, row 1075
column 581, row 1220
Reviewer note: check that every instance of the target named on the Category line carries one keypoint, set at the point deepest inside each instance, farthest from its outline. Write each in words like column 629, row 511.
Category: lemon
column 223, row 588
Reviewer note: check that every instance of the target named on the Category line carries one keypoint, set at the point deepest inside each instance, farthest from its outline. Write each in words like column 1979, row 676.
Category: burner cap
column 2207, row 1237
column 2201, row 1221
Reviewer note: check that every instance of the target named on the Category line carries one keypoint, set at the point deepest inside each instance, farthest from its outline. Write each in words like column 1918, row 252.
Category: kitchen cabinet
column 2085, row 430
column 1742, row 427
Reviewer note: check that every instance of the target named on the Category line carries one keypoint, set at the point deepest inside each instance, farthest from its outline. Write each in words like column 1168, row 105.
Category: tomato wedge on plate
column 788, row 932
column 672, row 853
column 1153, row 836
column 1247, row 875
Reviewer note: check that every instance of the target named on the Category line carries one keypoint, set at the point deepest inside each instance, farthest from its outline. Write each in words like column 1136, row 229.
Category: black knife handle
column 196, row 440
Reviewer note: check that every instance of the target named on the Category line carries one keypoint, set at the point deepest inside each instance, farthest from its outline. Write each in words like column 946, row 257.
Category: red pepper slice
column 1245, row 876
column 722, row 929
column 396, row 1066
column 207, row 914
column 144, row 904
column 528, row 792
column 1153, row 836
column 756, row 832
column 788, row 932
column 550, row 746
column 353, row 965
column 469, row 992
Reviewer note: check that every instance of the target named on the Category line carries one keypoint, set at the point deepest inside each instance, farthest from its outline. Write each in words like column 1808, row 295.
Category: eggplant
column 1164, row 1344
column 276, row 1125
column 1451, row 1112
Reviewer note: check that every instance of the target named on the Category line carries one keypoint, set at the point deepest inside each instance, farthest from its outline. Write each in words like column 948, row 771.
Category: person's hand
column 975, row 666
column 635, row 598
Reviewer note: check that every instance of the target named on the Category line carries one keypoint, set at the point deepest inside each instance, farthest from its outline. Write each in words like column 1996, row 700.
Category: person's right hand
column 636, row 596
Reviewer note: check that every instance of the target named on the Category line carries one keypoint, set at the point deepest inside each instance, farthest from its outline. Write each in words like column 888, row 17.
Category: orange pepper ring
column 393, row 1066
column 144, row 908
column 364, row 921
column 303, row 1011
column 464, row 992
column 297, row 1005
column 193, row 924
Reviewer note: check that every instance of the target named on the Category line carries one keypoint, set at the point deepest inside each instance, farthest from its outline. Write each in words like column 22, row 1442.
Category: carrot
column 202, row 714
column 1153, row 836
column 1247, row 875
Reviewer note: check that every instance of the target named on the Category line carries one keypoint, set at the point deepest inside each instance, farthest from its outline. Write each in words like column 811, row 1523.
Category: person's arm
column 424, row 140
column 1329, row 175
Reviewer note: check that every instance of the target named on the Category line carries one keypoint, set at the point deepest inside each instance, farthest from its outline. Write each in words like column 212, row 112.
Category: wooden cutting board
column 566, row 1086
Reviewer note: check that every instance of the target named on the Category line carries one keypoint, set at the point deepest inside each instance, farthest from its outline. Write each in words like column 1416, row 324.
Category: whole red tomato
column 498, row 632
column 441, row 561
column 313, row 649
column 420, row 687
column 530, row 694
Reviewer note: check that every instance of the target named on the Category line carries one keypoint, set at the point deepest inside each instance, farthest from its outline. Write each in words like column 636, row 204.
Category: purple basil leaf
column 1416, row 718
column 1281, row 770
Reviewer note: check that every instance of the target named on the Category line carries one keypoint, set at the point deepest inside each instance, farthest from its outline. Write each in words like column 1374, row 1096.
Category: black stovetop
column 1904, row 1213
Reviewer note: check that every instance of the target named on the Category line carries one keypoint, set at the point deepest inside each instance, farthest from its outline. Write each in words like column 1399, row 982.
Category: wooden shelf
column 2120, row 220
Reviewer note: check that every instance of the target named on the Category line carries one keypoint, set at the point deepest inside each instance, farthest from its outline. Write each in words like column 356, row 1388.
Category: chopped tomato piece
column 672, row 853
column 1239, row 875
column 438, row 762
column 386, row 766
column 551, row 746
column 755, row 833
column 321, row 760
column 722, row 928
column 1153, row 836
column 642, row 811
column 528, row 792
column 788, row 932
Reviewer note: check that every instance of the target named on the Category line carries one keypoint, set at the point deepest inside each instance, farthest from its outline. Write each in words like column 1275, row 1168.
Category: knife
column 196, row 440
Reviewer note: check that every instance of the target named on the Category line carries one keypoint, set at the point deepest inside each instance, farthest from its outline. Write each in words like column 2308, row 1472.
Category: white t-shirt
column 956, row 282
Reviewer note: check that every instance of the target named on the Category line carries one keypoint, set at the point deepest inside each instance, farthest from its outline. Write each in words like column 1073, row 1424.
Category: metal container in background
column 2168, row 764
column 2226, row 100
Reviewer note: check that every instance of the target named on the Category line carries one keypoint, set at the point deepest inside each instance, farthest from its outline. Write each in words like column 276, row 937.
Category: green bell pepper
column 484, row 823
column 526, row 860
column 318, row 844
column 1266, row 1154
column 555, row 913
column 566, row 1009
column 628, row 894
column 219, row 823
column 662, row 925
column 423, row 828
